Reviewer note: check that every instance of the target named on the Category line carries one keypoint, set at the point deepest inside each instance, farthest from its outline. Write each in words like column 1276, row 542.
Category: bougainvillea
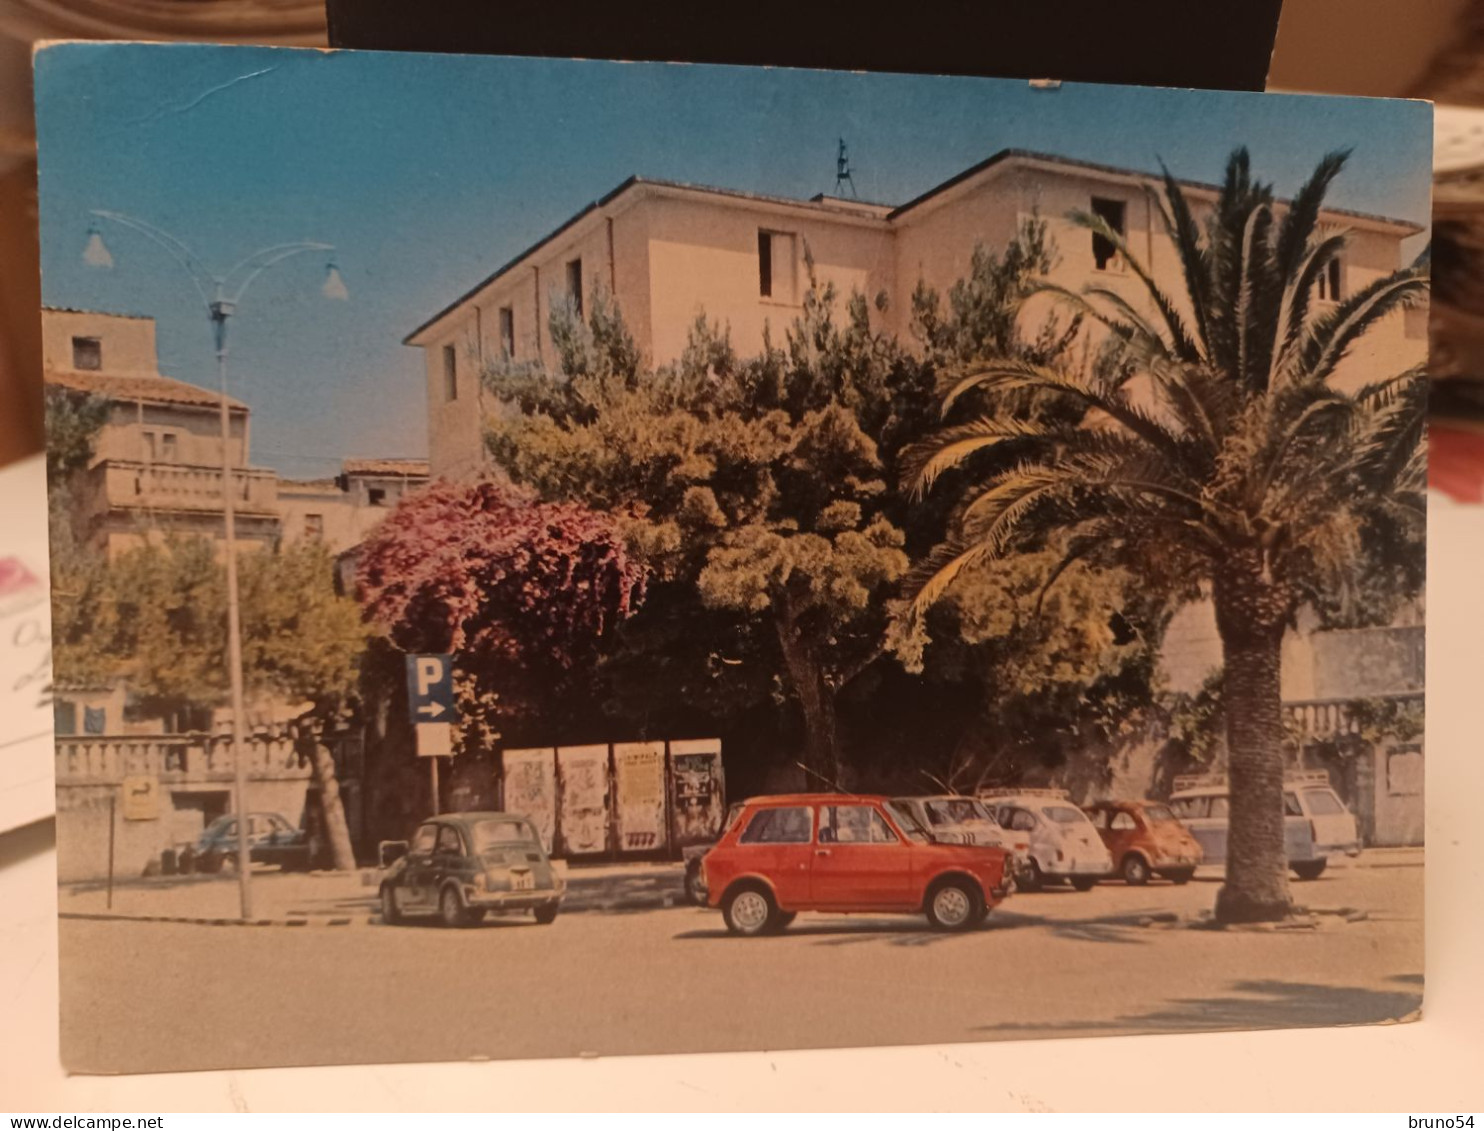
column 522, row 593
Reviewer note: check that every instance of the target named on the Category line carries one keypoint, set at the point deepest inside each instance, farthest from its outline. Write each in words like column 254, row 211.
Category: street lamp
column 220, row 294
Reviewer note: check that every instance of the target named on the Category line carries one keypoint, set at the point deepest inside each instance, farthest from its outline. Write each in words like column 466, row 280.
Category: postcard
column 558, row 557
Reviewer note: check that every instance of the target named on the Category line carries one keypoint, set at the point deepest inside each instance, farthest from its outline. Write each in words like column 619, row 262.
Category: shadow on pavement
column 1264, row 1004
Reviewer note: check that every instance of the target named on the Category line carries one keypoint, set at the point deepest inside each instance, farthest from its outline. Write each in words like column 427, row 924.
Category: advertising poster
column 530, row 789
column 697, row 791
column 639, row 779
column 583, row 775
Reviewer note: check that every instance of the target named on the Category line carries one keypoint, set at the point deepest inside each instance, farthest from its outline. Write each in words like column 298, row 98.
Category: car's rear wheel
column 1032, row 879
column 954, row 905
column 782, row 919
column 1084, row 883
column 389, row 913
column 451, row 910
column 1135, row 870
column 1183, row 876
column 749, row 911
column 1310, row 869
column 547, row 912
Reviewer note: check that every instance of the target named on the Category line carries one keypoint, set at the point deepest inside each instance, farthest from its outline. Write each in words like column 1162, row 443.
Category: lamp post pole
column 221, row 297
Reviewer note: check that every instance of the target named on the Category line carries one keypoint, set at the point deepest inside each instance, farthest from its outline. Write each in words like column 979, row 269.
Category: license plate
column 522, row 881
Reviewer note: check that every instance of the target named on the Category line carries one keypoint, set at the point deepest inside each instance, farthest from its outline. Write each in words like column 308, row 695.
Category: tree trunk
column 816, row 704
column 337, row 831
column 1252, row 612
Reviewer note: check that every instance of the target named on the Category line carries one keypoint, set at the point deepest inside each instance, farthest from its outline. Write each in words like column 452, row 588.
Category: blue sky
column 429, row 172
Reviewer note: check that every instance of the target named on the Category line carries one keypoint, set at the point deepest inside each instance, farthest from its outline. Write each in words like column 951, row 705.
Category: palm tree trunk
column 1251, row 614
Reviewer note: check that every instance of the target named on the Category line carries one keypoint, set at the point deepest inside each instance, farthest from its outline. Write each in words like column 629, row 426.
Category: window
column 64, row 717
column 87, row 353
column 314, row 527
column 450, row 373
column 1323, row 802
column 1404, row 771
column 502, row 833
column 1122, row 822
column 1329, row 282
column 574, row 285
column 1098, row 818
column 425, row 838
column 169, row 449
column 507, row 332
column 1157, row 814
column 449, row 842
column 1017, row 820
column 150, row 453
column 1188, row 808
column 778, row 826
column 1291, row 806
column 775, row 265
column 952, row 811
column 1104, row 250
column 908, row 823
column 376, row 496
column 854, row 824
column 1065, row 814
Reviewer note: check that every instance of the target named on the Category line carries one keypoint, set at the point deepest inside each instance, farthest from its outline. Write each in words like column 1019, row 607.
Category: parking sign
column 430, row 701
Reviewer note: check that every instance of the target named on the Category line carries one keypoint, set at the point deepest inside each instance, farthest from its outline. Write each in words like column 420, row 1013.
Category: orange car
column 1145, row 838
column 842, row 852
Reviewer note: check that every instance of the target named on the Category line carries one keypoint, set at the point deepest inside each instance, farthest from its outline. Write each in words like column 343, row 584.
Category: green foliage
column 73, row 421
column 155, row 616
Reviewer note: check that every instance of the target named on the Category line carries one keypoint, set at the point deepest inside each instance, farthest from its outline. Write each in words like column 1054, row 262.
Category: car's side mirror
column 390, row 851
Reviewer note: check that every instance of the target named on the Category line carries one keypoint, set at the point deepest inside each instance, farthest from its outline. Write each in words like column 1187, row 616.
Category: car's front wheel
column 1135, row 870
column 954, row 905
column 1084, row 883
column 695, row 883
column 547, row 912
column 389, row 913
column 749, row 911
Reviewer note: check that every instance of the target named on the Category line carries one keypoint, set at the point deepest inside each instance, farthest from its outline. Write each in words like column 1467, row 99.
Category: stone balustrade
column 102, row 758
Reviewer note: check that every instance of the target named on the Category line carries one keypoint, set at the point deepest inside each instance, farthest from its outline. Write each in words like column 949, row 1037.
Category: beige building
column 157, row 463
column 671, row 252
column 341, row 511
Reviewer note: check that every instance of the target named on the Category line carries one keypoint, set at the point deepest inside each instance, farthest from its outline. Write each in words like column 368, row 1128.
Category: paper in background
column 26, row 776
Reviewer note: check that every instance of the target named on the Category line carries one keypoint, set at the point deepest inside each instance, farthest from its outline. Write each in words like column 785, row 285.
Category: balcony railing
column 1325, row 719
column 98, row 759
column 182, row 487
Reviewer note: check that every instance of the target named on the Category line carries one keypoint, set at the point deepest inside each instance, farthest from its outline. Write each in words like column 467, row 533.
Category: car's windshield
column 1323, row 803
column 1065, row 814
column 908, row 823
column 732, row 814
column 1158, row 814
column 954, row 811
column 501, row 832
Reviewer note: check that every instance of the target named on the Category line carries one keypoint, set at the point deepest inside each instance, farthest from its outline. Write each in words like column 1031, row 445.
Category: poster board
column 697, row 791
column 582, row 779
column 639, row 785
column 530, row 789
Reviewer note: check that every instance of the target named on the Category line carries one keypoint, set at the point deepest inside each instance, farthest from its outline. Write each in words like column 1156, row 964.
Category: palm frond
column 1293, row 311
column 1302, row 216
column 923, row 463
column 1330, row 339
column 1194, row 259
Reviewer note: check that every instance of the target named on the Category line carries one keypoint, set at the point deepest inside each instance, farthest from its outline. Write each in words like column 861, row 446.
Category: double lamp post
column 220, row 294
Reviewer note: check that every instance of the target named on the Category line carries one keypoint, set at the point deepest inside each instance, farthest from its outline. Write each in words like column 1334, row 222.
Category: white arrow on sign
column 432, row 710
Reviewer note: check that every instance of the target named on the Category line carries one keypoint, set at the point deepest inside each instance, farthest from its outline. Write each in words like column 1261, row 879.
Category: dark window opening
column 87, row 353
column 574, row 285
column 1104, row 250
column 450, row 374
column 765, row 264
column 377, row 496
column 507, row 332
column 1329, row 282
column 314, row 527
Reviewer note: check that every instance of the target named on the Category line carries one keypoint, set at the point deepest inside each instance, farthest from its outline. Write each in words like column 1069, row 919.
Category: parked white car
column 1316, row 826
column 954, row 819
column 1062, row 843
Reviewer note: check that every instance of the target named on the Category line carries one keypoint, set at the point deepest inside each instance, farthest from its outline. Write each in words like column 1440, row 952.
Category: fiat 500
column 1063, row 843
column 461, row 865
column 835, row 852
column 1145, row 839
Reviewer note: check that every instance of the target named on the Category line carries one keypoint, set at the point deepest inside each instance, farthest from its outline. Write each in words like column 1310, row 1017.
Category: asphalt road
column 151, row 996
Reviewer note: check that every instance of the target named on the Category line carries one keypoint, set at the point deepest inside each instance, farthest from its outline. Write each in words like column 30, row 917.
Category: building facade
column 669, row 253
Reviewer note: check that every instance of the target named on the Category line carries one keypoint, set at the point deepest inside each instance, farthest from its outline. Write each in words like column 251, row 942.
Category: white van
column 1064, row 844
column 1316, row 823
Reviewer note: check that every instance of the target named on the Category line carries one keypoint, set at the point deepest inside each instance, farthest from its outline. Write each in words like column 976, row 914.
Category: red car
column 843, row 852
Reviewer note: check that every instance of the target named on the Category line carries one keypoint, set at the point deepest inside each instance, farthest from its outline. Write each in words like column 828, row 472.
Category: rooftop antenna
column 842, row 172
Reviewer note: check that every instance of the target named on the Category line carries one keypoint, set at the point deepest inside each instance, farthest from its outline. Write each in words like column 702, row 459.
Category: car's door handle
column 821, row 852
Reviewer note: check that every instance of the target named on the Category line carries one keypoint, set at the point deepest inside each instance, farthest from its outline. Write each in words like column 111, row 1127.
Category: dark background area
column 1193, row 43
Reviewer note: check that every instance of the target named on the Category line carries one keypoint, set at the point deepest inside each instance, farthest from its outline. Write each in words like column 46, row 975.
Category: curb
column 338, row 921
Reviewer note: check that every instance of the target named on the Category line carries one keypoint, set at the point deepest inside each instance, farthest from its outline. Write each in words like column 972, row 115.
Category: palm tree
column 1221, row 449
